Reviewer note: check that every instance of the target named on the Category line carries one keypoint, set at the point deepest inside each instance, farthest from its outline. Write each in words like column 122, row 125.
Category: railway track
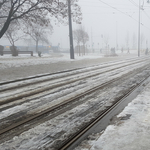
column 60, row 72
column 36, row 114
column 54, row 82
column 92, row 126
column 42, row 77
column 32, row 91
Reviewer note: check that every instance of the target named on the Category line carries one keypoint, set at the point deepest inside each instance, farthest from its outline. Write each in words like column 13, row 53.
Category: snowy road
column 129, row 131
column 53, row 132
column 81, row 83
column 12, row 68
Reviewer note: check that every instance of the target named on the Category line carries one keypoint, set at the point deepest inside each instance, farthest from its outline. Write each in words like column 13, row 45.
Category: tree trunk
column 14, row 50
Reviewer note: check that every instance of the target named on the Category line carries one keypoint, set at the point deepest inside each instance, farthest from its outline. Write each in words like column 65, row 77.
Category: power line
column 103, row 7
column 136, row 5
column 93, row 2
column 118, row 10
column 146, row 14
column 106, row 12
column 123, row 13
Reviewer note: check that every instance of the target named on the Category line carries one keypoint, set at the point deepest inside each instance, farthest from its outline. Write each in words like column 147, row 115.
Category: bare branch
column 35, row 11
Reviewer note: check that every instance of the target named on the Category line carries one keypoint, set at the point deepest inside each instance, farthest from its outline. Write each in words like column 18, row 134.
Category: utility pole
column 139, row 28
column 70, row 31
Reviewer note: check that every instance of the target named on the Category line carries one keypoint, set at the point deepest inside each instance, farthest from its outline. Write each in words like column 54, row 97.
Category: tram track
column 58, row 144
column 38, row 96
column 21, row 93
column 59, row 106
column 59, row 72
column 87, row 130
column 41, row 78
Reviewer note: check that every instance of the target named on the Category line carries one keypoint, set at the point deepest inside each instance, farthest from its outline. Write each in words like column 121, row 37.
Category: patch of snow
column 46, row 134
column 8, row 61
column 130, row 134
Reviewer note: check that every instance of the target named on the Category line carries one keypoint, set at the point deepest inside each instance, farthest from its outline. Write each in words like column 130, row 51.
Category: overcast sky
column 114, row 19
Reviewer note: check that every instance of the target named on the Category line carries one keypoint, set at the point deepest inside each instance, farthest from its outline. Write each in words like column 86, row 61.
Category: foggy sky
column 115, row 21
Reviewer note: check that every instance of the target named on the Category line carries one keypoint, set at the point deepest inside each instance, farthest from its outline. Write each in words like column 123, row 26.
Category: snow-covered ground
column 7, row 61
column 34, row 136
column 52, row 99
column 52, row 132
column 132, row 133
column 26, row 65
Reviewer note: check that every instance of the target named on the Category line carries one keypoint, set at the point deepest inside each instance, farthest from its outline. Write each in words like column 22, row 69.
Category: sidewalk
column 130, row 132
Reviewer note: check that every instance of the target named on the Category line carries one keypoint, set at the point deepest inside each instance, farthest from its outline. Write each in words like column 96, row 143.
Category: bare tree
column 13, row 35
column 81, row 36
column 2, row 3
column 77, row 38
column 38, row 33
column 84, row 37
column 39, row 11
column 106, row 40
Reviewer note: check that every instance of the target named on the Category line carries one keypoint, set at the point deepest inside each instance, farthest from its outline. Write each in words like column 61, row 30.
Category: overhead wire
column 94, row 2
column 142, row 7
column 105, row 7
column 146, row 14
column 134, row 3
column 123, row 13
column 118, row 10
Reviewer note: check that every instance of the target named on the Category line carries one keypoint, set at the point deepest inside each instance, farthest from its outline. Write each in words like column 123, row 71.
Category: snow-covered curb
column 132, row 133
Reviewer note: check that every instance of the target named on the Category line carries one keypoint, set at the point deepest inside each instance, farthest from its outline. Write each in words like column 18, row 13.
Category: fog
column 114, row 19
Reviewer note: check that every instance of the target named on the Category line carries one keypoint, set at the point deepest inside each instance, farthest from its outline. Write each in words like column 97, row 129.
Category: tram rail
column 137, row 66
column 54, row 84
column 60, row 104
column 75, row 140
